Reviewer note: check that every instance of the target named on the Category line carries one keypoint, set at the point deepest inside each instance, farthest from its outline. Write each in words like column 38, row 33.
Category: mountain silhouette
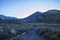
column 8, row 19
column 31, row 17
column 50, row 16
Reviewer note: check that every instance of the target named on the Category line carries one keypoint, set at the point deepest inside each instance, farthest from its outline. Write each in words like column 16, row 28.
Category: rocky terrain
column 29, row 32
column 38, row 26
column 8, row 33
column 49, row 34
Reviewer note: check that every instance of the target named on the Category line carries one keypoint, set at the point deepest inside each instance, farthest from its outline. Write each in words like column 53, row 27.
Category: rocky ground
column 12, row 33
column 49, row 34
column 19, row 34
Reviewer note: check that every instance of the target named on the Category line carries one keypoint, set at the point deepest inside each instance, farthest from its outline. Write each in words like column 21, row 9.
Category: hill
column 50, row 16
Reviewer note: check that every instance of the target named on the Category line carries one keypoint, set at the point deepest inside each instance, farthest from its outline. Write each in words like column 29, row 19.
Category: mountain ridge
column 50, row 16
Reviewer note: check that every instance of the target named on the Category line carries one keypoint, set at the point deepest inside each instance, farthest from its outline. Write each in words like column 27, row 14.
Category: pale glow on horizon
column 26, row 13
column 24, row 8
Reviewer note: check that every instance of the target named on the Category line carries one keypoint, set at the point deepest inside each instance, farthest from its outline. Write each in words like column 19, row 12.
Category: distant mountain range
column 7, row 18
column 50, row 16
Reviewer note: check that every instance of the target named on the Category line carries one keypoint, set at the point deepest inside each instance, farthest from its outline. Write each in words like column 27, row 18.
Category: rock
column 13, row 32
column 3, row 34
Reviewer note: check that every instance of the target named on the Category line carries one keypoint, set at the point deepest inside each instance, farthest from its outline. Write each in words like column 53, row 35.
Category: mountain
column 50, row 16
column 31, row 17
column 7, row 18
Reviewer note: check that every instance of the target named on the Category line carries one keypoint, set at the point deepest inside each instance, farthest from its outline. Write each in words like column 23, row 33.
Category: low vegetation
column 48, row 34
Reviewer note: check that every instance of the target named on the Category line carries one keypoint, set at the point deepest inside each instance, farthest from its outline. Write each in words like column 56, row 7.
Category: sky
column 24, row 8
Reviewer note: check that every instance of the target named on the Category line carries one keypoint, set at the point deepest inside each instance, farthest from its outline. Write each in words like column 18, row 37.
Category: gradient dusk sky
column 24, row 8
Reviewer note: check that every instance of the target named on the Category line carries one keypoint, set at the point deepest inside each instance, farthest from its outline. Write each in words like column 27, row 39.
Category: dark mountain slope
column 7, row 18
column 31, row 17
column 51, row 16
